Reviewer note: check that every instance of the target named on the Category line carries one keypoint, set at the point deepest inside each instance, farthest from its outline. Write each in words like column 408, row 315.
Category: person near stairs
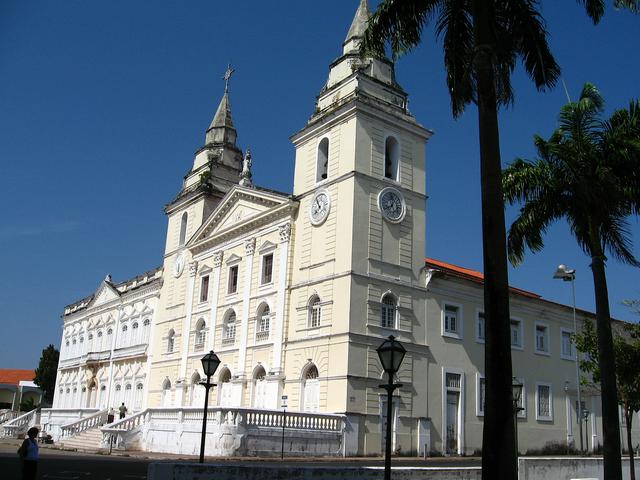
column 122, row 409
column 28, row 452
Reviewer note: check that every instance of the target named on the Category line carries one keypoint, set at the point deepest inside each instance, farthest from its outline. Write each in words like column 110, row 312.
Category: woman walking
column 28, row 452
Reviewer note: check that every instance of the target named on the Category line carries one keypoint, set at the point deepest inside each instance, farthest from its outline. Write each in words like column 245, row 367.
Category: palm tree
column 482, row 41
column 588, row 172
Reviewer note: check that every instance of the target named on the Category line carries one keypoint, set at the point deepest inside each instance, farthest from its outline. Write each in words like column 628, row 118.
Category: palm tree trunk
column 607, row 364
column 628, row 413
column 499, row 458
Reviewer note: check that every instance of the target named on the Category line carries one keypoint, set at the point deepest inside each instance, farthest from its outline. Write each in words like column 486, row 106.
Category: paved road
column 58, row 465
column 65, row 465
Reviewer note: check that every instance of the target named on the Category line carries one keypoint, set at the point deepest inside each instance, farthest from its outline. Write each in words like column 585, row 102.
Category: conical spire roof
column 222, row 118
column 359, row 24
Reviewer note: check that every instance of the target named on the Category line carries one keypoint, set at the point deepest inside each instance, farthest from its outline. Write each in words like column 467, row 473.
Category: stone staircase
column 88, row 440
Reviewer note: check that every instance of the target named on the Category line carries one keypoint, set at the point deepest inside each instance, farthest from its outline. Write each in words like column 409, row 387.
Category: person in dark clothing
column 28, row 452
column 123, row 410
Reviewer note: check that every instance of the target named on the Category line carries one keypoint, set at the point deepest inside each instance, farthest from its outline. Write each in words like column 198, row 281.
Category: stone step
column 88, row 440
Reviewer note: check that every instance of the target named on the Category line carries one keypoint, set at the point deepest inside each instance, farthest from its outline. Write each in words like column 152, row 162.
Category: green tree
column 482, row 42
column 627, row 352
column 46, row 372
column 588, row 172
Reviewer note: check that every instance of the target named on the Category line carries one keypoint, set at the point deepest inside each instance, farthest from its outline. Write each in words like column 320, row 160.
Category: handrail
column 79, row 426
column 21, row 423
column 8, row 415
column 121, row 432
column 127, row 423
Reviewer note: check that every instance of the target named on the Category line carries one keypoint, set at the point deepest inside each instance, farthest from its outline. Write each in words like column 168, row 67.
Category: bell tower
column 216, row 168
column 360, row 233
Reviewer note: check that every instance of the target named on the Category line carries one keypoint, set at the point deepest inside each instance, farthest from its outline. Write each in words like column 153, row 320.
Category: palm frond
column 454, row 25
column 595, row 8
column 631, row 5
column 616, row 238
column 399, row 22
column 527, row 28
column 529, row 227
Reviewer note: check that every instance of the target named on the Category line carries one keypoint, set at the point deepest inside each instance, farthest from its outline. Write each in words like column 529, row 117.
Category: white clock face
column 178, row 265
column 392, row 205
column 320, row 205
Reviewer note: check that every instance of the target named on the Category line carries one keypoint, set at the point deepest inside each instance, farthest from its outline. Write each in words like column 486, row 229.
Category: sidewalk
column 155, row 456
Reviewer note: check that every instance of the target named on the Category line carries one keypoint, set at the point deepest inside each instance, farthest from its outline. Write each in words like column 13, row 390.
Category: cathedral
column 295, row 291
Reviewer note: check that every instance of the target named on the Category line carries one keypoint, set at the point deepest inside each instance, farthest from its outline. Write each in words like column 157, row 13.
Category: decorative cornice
column 239, row 229
column 193, row 268
column 250, row 246
column 285, row 232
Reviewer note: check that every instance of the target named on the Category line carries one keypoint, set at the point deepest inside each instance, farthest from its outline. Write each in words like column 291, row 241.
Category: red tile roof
column 469, row 274
column 14, row 377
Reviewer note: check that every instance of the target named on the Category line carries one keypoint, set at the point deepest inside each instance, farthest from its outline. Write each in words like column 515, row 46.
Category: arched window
column 137, row 403
column 322, row 162
column 166, row 393
column 183, row 229
column 146, row 322
column 197, row 391
column 224, row 388
column 263, row 323
column 310, row 389
column 171, row 340
column 90, row 337
column 314, row 312
column 201, row 334
column 259, row 388
column 127, row 395
column 229, row 329
column 102, row 399
column 388, row 311
column 118, row 395
column 391, row 158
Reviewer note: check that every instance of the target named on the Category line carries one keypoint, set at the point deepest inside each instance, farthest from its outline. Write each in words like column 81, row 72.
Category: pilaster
column 217, row 268
column 283, row 272
column 250, row 247
column 186, row 329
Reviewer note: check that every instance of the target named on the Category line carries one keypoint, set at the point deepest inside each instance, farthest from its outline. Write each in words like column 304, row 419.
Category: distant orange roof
column 472, row 275
column 14, row 377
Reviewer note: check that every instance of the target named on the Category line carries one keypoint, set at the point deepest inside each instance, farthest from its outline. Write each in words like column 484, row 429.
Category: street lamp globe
column 516, row 391
column 564, row 273
column 391, row 353
column 210, row 363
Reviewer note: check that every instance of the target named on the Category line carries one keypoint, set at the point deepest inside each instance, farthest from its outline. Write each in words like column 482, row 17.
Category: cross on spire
column 227, row 77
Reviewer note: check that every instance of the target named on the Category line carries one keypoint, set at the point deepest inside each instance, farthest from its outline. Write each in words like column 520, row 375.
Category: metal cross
column 227, row 77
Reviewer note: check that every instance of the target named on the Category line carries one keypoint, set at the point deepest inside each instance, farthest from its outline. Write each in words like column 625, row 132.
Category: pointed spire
column 359, row 24
column 245, row 175
column 222, row 118
column 221, row 129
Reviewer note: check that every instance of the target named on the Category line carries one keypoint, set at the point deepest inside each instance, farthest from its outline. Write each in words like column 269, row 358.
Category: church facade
column 294, row 293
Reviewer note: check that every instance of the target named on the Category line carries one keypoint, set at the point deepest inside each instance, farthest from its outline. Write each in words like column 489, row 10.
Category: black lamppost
column 516, row 394
column 210, row 363
column 585, row 417
column 391, row 353
column 569, row 275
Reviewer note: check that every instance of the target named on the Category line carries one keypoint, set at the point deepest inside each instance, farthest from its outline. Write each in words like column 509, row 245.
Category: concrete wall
column 573, row 468
column 194, row 471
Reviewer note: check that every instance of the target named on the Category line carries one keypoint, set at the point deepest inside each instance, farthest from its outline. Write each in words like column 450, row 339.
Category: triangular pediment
column 233, row 258
column 240, row 208
column 105, row 294
column 266, row 246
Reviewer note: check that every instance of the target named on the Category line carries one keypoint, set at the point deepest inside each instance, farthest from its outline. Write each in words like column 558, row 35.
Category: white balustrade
column 21, row 424
column 79, row 426
column 6, row 415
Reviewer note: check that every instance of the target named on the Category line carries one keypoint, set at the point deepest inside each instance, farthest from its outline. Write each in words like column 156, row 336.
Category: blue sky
column 103, row 103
